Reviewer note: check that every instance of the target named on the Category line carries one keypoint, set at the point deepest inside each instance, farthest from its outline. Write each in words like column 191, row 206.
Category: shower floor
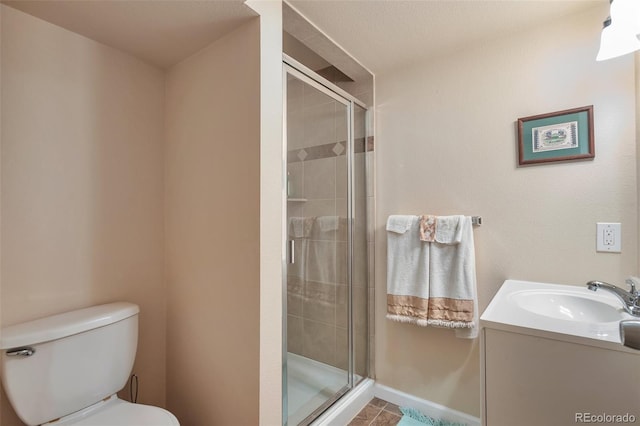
column 309, row 385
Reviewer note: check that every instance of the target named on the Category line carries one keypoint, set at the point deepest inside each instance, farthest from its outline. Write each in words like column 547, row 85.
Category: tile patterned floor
column 377, row 413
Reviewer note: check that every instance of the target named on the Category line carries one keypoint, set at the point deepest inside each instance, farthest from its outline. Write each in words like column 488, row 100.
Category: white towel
column 407, row 271
column 400, row 224
column 452, row 279
column 300, row 227
column 296, row 227
column 432, row 283
column 328, row 223
column 448, row 229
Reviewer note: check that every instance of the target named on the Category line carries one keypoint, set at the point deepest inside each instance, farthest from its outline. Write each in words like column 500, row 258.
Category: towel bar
column 476, row 220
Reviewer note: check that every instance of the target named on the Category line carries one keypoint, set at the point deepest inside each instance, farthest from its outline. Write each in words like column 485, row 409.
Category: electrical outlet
column 608, row 237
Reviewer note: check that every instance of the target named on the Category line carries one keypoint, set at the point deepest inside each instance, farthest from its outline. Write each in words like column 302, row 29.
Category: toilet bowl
column 66, row 369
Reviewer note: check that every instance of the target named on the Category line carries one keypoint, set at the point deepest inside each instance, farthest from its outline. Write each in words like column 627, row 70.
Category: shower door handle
column 291, row 251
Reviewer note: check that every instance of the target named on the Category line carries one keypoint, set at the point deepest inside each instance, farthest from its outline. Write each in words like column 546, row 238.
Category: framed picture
column 557, row 136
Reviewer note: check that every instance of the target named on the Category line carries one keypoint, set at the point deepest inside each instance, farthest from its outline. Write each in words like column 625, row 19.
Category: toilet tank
column 79, row 358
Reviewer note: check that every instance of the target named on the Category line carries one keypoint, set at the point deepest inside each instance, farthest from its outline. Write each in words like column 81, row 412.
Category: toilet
column 66, row 369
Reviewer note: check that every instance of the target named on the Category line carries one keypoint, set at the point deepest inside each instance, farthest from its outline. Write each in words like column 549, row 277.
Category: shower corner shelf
column 297, row 200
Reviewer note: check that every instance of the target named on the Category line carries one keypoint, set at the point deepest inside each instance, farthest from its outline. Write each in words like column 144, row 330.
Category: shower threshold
column 310, row 385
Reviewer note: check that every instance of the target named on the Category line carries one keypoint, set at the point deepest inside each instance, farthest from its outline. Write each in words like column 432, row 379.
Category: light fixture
column 620, row 31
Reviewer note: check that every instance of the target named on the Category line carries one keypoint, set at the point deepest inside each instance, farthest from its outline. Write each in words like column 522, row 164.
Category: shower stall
column 326, row 291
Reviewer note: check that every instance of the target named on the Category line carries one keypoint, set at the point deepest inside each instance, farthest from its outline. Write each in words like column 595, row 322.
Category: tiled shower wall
column 317, row 316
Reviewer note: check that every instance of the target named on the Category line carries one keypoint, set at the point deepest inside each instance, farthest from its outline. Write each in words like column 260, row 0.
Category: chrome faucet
column 630, row 299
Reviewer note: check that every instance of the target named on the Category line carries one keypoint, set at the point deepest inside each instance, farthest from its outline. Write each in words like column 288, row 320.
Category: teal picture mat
column 583, row 136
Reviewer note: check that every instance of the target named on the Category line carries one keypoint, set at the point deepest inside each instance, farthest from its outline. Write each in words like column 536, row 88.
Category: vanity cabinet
column 533, row 380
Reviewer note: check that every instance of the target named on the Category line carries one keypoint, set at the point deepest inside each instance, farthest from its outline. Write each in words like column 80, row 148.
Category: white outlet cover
column 612, row 247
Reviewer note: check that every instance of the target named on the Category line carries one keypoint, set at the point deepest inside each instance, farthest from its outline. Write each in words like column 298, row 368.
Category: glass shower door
column 318, row 340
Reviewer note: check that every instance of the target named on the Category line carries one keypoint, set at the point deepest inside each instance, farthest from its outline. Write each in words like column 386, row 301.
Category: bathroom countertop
column 505, row 313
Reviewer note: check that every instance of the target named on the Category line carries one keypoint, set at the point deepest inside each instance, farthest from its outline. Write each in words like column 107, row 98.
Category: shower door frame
column 292, row 67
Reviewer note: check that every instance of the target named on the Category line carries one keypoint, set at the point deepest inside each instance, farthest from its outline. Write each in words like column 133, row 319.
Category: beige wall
column 213, row 232
column 82, row 184
column 446, row 145
column 84, row 175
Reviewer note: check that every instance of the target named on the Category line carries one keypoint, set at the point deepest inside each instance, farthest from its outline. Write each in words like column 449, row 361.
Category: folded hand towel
column 300, row 227
column 328, row 223
column 448, row 229
column 296, row 227
column 400, row 223
column 427, row 228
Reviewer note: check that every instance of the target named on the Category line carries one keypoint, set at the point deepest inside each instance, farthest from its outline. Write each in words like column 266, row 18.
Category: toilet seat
column 116, row 412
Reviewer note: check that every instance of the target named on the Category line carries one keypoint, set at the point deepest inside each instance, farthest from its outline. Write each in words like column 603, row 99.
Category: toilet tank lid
column 66, row 324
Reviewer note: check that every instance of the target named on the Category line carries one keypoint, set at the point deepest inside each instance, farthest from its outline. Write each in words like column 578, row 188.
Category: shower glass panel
column 326, row 284
column 318, row 269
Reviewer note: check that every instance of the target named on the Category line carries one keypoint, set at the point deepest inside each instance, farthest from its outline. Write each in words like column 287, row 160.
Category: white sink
column 567, row 305
column 565, row 312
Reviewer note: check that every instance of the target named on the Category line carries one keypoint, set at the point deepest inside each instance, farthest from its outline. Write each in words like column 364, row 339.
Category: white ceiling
column 384, row 34
column 381, row 34
column 159, row 32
